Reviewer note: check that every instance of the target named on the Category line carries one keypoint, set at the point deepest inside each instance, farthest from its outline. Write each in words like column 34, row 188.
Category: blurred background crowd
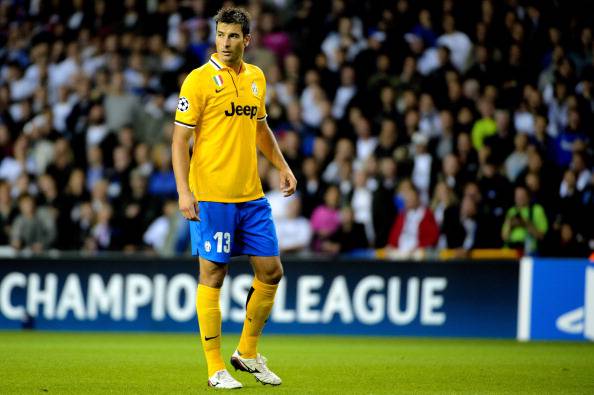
column 410, row 125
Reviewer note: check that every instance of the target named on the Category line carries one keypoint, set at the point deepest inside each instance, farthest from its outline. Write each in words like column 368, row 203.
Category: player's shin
column 209, row 320
column 258, row 306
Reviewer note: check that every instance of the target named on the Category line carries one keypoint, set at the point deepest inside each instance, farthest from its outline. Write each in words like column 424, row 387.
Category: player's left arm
column 269, row 147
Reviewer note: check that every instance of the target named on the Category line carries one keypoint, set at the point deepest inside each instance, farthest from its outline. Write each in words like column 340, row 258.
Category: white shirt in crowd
column 460, row 47
column 293, row 233
column 409, row 238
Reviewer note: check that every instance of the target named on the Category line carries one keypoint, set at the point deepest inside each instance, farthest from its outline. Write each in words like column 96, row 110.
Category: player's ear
column 246, row 40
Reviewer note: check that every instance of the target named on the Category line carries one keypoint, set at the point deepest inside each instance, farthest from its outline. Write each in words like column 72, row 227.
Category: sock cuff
column 208, row 292
column 265, row 288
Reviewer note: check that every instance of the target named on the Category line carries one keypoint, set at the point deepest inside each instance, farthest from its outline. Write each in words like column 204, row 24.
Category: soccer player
column 221, row 105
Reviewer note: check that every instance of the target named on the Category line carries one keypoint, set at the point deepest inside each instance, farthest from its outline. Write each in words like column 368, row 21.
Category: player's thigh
column 213, row 236
column 267, row 269
column 255, row 233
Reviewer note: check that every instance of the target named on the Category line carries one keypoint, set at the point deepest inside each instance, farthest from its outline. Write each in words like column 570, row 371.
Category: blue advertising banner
column 469, row 299
column 556, row 299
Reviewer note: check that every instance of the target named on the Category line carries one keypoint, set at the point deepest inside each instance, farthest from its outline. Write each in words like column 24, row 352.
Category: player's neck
column 235, row 66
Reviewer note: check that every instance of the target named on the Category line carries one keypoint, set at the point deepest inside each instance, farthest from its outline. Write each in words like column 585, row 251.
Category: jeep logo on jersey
column 250, row 111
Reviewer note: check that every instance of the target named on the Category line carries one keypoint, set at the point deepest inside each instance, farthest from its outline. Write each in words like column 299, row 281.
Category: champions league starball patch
column 183, row 104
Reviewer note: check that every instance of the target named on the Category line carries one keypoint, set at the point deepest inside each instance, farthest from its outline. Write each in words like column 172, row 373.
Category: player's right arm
column 190, row 106
column 180, row 151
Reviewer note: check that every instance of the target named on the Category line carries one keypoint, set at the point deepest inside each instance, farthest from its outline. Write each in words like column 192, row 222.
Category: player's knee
column 213, row 277
column 273, row 276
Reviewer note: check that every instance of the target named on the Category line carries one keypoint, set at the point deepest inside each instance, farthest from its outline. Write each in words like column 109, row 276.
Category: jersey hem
column 229, row 200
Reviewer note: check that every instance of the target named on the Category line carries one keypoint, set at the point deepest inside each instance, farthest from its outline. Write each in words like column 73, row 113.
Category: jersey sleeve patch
column 183, row 104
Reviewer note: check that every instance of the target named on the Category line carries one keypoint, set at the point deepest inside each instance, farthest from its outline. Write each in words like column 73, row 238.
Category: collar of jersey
column 218, row 65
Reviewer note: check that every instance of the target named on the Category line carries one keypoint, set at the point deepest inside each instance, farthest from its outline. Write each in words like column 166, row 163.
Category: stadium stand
column 482, row 109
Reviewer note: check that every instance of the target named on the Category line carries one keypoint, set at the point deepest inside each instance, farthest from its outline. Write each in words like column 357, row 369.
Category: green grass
column 98, row 363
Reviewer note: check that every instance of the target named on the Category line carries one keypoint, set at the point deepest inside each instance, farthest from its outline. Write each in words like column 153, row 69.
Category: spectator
column 63, row 163
column 346, row 38
column 83, row 219
column 257, row 52
column 496, row 192
column 424, row 28
column 119, row 174
column 361, row 203
column 121, row 108
column 162, row 233
column 569, row 140
column 273, row 38
column 5, row 141
column 423, row 166
column 11, row 167
column 279, row 204
column 103, row 231
column 501, row 144
column 484, row 127
column 325, row 219
column 429, row 120
column 565, row 244
column 366, row 142
column 458, row 43
column 33, row 229
column 451, row 173
column 349, row 237
column 517, row 161
column 311, row 187
column 345, row 153
column 467, row 157
column 415, row 228
column 463, row 227
column 134, row 211
column 97, row 129
column 568, row 207
column 580, row 166
column 142, row 160
column 314, row 105
column 446, row 139
column 525, row 223
column 383, row 202
column 152, row 121
column 387, row 140
column 443, row 198
column 584, row 226
column 345, row 92
column 294, row 231
column 162, row 181
column 7, row 213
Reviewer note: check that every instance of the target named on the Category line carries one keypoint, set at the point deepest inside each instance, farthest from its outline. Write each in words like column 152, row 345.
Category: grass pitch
column 99, row 363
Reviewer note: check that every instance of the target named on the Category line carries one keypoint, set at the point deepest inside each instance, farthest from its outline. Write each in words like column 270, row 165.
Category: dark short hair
column 234, row 15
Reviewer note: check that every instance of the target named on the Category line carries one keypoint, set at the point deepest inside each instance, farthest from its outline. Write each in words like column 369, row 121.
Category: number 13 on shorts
column 223, row 240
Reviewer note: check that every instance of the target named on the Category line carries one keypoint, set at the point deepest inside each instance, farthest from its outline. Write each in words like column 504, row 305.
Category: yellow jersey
column 223, row 107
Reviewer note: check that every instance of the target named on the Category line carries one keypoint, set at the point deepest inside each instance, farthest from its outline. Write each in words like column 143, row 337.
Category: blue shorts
column 230, row 229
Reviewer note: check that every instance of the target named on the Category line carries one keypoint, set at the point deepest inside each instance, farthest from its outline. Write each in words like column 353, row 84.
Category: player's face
column 231, row 43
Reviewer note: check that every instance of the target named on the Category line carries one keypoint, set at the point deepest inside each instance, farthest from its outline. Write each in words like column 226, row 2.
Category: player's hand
column 288, row 182
column 188, row 206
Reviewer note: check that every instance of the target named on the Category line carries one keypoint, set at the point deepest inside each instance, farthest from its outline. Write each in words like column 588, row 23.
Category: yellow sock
column 258, row 306
column 209, row 320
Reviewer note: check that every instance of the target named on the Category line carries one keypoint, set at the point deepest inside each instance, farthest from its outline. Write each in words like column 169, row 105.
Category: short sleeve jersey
column 223, row 107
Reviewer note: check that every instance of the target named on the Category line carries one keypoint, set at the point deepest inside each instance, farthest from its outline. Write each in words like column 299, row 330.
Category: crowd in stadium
column 409, row 124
